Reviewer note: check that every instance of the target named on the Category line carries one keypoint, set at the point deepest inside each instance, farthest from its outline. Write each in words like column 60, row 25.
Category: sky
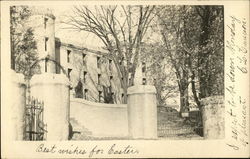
column 83, row 39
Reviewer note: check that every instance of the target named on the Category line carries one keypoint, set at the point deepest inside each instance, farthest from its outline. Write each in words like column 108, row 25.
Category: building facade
column 93, row 76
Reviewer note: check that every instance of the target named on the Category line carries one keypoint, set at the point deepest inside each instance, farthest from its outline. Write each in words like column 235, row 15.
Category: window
column 144, row 81
column 46, row 62
column 100, row 96
column 143, row 67
column 130, row 81
column 112, row 96
column 69, row 71
column 122, row 79
column 98, row 62
column 86, row 94
column 84, row 76
column 45, row 22
column 83, row 57
column 99, row 79
column 68, row 56
column 46, row 43
column 122, row 97
column 110, row 65
column 110, row 78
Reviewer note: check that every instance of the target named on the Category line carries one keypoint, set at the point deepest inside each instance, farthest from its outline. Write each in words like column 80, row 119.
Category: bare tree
column 120, row 28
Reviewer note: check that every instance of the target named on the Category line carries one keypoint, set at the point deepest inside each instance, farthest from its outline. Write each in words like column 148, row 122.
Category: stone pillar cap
column 137, row 89
column 49, row 78
column 212, row 100
column 17, row 77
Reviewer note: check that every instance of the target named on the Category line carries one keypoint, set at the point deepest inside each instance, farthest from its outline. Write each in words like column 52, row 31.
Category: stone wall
column 17, row 116
column 213, row 111
column 101, row 120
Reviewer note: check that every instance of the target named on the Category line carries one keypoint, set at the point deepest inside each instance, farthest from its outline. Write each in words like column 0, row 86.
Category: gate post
column 142, row 111
column 53, row 89
column 213, row 111
column 18, row 106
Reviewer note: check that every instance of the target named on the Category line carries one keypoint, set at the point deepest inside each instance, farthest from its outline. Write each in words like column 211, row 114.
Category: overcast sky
column 84, row 39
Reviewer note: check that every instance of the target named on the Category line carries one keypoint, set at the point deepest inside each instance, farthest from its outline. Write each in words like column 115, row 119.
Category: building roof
column 96, row 50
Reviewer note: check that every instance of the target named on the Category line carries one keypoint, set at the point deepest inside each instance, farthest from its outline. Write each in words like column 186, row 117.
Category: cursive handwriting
column 114, row 149
column 238, row 53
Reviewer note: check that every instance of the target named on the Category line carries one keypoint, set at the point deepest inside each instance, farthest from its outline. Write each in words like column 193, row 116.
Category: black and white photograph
column 122, row 73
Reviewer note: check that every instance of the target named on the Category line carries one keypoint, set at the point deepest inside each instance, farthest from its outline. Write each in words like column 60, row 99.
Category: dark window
column 83, row 58
column 98, row 62
column 100, row 96
column 68, row 55
column 84, row 76
column 110, row 77
column 69, row 71
column 144, row 81
column 46, row 43
column 122, row 97
column 112, row 95
column 143, row 67
column 46, row 62
column 130, row 81
column 99, row 79
column 110, row 65
column 45, row 22
column 85, row 93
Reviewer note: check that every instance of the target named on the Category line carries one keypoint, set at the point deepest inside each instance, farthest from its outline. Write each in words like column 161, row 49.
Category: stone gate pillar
column 142, row 111
column 53, row 90
column 18, row 94
column 213, row 114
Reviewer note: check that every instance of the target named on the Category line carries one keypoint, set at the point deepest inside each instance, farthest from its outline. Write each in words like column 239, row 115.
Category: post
column 18, row 103
column 213, row 112
column 142, row 111
column 53, row 90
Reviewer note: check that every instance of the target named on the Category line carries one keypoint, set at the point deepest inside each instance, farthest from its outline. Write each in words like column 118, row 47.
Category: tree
column 158, row 72
column 23, row 45
column 194, row 37
column 171, row 28
column 121, row 29
column 211, row 50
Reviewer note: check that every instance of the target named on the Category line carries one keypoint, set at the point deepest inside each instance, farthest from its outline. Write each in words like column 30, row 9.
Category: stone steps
column 79, row 132
column 170, row 125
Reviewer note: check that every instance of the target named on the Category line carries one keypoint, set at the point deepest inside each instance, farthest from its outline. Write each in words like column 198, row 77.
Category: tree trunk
column 184, row 103
column 203, row 54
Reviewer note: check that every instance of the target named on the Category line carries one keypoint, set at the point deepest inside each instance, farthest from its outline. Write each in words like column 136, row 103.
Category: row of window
column 85, row 76
column 100, row 95
column 98, row 59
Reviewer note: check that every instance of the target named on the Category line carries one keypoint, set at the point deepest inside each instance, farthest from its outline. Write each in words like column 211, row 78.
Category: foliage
column 23, row 45
column 193, row 37
column 158, row 68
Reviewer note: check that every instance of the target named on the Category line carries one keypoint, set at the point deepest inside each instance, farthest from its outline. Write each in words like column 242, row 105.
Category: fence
column 35, row 129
